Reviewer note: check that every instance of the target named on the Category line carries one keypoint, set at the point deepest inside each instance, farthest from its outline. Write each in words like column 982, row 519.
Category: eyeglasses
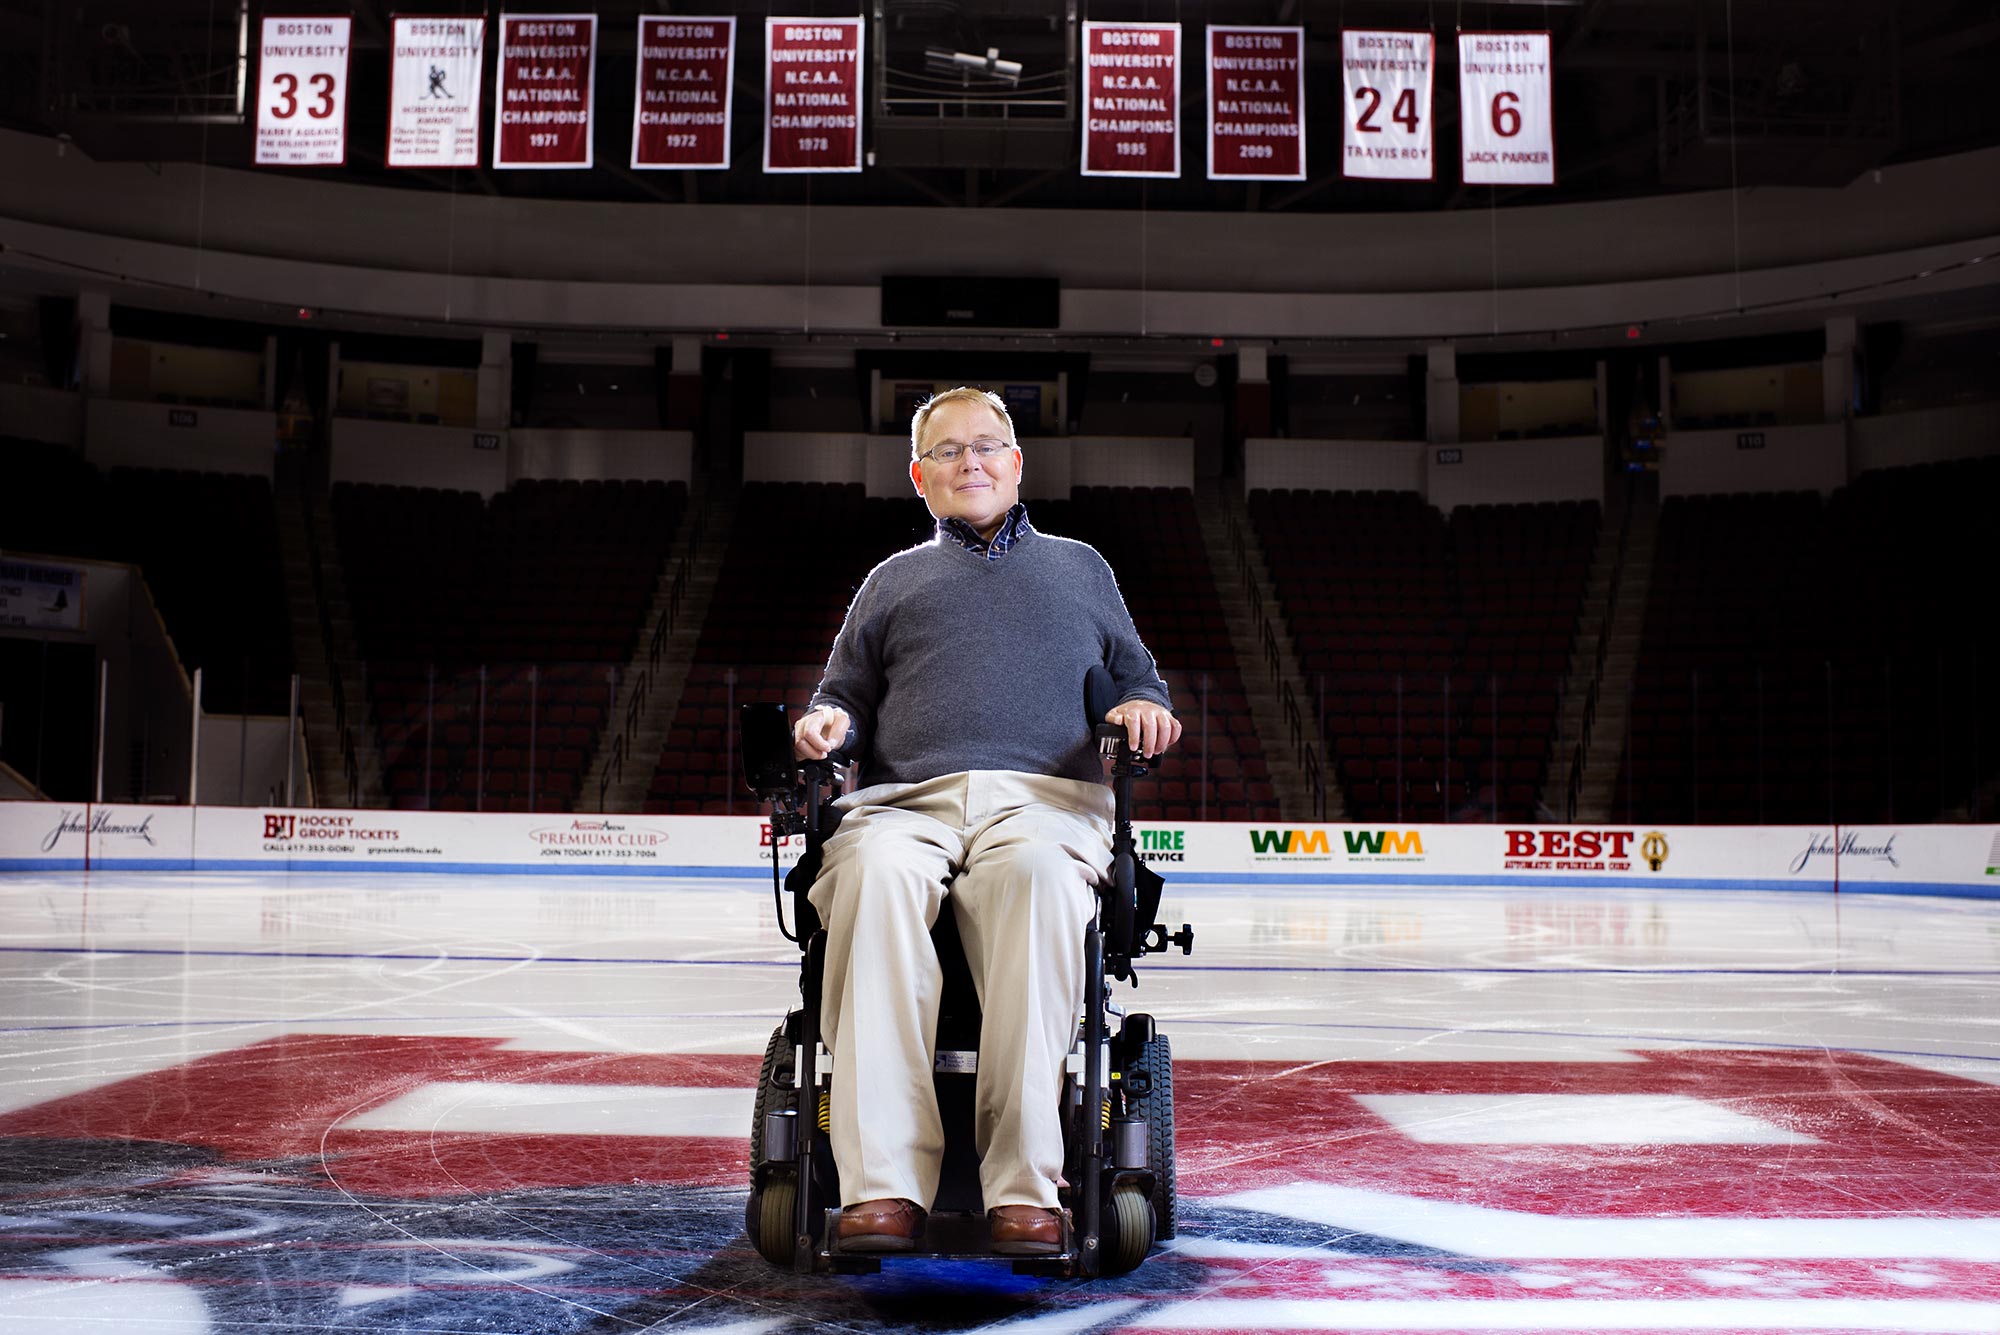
column 950, row 452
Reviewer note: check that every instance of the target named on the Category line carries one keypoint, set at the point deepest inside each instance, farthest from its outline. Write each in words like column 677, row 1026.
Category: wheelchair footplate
column 951, row 1235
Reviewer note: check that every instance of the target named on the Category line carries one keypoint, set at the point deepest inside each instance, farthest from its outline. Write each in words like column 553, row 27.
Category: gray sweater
column 949, row 661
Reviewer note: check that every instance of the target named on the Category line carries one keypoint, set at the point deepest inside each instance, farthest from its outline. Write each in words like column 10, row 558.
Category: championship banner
column 547, row 94
column 680, row 111
column 1387, row 79
column 435, row 69
column 1256, row 104
column 1506, row 109
column 1132, row 99
column 302, row 91
column 812, row 97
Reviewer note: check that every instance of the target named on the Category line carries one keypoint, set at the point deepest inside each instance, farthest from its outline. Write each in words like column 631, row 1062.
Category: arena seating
column 534, row 602
column 778, row 605
column 1918, row 672
column 207, row 543
column 53, row 503
column 1152, row 539
column 1809, row 661
column 1439, row 648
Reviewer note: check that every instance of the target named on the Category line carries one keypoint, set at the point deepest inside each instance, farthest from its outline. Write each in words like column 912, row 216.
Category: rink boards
column 1909, row 859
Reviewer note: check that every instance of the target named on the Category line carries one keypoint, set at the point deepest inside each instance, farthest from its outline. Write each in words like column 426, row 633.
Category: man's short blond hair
column 963, row 394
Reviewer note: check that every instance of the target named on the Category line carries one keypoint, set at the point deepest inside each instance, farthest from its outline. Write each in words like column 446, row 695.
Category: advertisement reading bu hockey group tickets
column 435, row 73
column 546, row 94
column 680, row 111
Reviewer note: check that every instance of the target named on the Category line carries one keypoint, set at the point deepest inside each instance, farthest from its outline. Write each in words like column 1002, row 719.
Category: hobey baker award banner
column 1386, row 80
column 680, row 113
column 435, row 69
column 1131, row 99
column 1506, row 109
column 812, row 107
column 545, row 98
column 1256, row 104
column 302, row 91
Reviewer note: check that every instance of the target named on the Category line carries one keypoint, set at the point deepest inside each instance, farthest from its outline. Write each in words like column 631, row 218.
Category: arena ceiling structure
column 1722, row 168
column 1650, row 97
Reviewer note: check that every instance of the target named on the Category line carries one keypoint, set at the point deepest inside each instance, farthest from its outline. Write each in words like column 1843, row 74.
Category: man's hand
column 1149, row 728
column 819, row 732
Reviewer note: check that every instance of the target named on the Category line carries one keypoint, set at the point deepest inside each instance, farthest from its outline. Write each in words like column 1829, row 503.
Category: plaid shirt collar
column 1012, row 529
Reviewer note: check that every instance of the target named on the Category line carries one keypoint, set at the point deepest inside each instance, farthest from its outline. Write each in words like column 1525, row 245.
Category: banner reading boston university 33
column 436, row 67
column 545, row 100
column 302, row 91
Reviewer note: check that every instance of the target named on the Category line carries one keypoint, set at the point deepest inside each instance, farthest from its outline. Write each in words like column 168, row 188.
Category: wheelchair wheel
column 772, row 1094
column 1155, row 1058
column 776, row 1207
column 1127, row 1231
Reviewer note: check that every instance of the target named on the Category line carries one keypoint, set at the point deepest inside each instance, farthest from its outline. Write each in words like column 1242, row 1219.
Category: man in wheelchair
column 954, row 680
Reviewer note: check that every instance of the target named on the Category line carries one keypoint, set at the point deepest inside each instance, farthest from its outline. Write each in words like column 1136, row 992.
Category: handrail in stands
column 628, row 736
column 1267, row 636
column 334, row 680
column 1582, row 751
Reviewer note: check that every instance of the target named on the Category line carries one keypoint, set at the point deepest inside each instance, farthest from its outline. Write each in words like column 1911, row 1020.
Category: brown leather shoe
column 879, row 1226
column 1025, row 1230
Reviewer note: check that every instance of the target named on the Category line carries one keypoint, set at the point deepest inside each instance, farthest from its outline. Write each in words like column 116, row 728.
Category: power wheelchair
column 1118, row 1084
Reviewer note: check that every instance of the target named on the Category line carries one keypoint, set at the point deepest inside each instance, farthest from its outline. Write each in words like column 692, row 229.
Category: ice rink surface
column 435, row 1103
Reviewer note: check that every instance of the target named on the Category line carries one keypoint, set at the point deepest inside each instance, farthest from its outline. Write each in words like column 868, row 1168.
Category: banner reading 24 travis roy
column 1387, row 79
column 1131, row 99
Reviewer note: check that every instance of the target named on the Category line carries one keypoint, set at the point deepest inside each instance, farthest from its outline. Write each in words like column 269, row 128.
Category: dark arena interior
column 1550, row 448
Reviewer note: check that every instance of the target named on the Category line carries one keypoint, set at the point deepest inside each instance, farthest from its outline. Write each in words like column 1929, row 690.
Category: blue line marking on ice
column 447, row 957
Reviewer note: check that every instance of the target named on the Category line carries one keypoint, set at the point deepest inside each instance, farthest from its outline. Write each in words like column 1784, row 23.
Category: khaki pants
column 1025, row 852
